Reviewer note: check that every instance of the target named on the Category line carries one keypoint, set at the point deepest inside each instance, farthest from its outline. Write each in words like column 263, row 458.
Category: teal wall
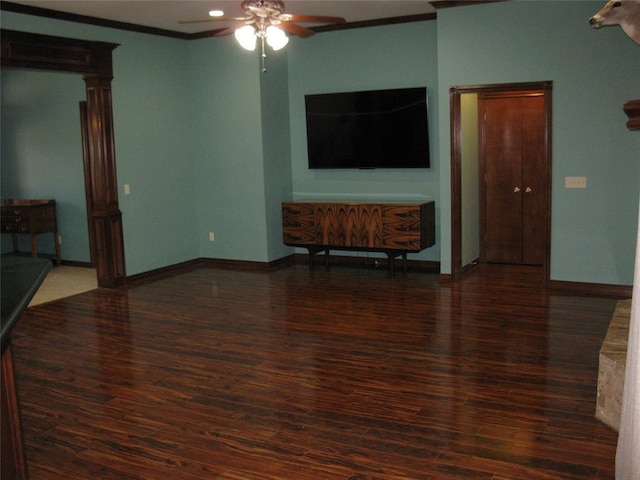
column 227, row 139
column 276, row 148
column 393, row 56
column 154, row 151
column 241, row 149
column 208, row 143
column 593, row 73
column 153, row 137
column 41, row 126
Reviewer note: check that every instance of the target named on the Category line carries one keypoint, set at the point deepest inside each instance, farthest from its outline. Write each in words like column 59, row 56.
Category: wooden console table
column 392, row 228
column 30, row 217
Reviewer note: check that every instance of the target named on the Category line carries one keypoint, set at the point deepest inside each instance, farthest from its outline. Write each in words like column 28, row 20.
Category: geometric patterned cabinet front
column 393, row 228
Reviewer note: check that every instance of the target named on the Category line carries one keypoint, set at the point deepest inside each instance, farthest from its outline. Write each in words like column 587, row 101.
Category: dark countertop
column 20, row 277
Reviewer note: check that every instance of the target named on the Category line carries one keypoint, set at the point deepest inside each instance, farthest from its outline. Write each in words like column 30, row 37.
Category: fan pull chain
column 264, row 55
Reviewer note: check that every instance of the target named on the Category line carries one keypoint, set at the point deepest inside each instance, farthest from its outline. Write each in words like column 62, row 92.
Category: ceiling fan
column 267, row 21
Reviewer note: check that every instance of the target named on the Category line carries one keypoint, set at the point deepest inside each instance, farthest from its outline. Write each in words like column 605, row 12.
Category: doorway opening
column 93, row 60
column 473, row 217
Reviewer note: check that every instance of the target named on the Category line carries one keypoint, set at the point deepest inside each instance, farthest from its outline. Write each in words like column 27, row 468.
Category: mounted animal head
column 625, row 13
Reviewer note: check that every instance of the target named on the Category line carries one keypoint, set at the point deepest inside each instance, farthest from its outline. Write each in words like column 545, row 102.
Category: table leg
column 56, row 240
column 34, row 246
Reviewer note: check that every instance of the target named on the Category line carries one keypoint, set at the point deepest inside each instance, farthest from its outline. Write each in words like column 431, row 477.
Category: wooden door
column 513, row 195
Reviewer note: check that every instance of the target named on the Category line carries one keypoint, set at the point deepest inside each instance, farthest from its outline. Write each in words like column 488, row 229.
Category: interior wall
column 276, row 148
column 152, row 127
column 154, row 149
column 393, row 56
column 41, row 155
column 225, row 99
column 241, row 149
column 594, row 72
column 189, row 128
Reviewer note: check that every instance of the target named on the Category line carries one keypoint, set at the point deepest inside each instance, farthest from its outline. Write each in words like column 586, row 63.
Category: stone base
column 613, row 357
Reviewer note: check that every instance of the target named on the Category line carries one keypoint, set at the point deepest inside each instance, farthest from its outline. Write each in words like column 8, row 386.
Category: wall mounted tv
column 369, row 129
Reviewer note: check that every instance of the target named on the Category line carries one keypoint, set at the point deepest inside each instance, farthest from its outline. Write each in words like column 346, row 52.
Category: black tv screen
column 369, row 129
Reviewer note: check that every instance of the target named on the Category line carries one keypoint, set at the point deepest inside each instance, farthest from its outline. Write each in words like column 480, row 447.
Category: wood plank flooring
column 295, row 374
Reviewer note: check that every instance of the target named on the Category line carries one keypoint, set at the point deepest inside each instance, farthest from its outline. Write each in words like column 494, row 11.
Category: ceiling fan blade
column 311, row 18
column 215, row 19
column 229, row 30
column 295, row 29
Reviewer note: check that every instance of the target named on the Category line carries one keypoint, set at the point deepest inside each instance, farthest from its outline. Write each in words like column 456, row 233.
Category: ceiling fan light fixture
column 265, row 20
column 246, row 37
column 276, row 38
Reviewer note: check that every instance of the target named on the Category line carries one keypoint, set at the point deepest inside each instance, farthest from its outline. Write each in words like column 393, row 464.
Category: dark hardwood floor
column 300, row 375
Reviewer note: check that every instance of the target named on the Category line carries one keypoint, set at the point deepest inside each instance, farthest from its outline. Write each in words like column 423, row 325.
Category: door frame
column 456, row 166
column 92, row 60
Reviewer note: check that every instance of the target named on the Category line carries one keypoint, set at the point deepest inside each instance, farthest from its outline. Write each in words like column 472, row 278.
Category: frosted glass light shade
column 246, row 37
column 276, row 38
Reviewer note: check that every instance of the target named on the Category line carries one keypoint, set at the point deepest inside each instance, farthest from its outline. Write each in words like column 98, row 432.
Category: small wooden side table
column 30, row 217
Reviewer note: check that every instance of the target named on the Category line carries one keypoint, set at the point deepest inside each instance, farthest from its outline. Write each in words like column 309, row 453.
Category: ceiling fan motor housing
column 263, row 8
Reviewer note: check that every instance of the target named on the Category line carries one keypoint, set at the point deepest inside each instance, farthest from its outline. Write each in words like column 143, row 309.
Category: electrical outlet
column 212, row 237
column 127, row 189
column 575, row 182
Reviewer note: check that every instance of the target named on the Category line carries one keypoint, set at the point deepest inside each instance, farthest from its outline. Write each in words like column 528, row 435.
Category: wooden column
column 106, row 218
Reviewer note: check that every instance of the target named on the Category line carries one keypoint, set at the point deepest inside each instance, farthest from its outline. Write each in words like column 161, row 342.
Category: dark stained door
column 513, row 195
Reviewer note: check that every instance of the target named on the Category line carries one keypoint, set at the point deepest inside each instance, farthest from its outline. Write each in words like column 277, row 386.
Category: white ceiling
column 165, row 14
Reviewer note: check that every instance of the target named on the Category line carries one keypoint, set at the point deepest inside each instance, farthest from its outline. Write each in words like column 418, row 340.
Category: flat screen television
column 368, row 129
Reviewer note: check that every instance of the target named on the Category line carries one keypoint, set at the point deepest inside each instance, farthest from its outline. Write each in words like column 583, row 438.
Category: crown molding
column 100, row 22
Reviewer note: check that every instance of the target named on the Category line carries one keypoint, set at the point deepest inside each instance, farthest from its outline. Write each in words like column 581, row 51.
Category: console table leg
column 34, row 246
column 56, row 241
column 312, row 253
column 392, row 261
